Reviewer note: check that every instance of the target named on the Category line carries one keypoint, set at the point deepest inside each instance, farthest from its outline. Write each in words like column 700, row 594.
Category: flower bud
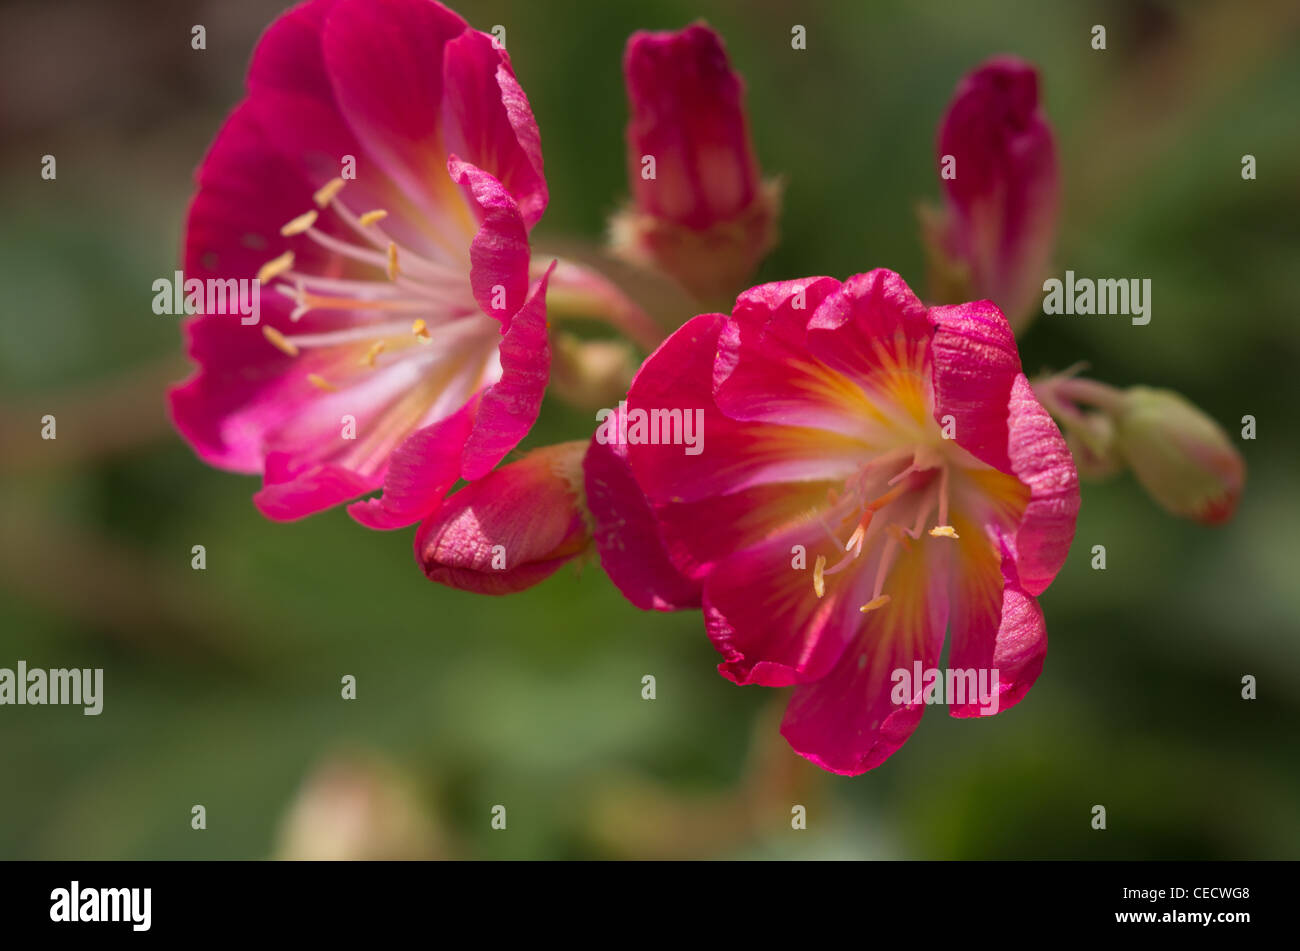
column 512, row 528
column 1181, row 456
column 700, row 212
column 997, row 162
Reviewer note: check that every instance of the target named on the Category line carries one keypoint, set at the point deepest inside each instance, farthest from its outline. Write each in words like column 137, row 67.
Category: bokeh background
column 222, row 686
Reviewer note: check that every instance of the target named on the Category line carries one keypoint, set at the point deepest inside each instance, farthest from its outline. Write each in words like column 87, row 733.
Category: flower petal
column 499, row 254
column 510, row 406
column 627, row 534
column 487, row 120
column 1041, row 460
column 240, row 388
column 848, row 721
column 763, row 370
column 876, row 333
column 996, row 625
column 385, row 62
column 420, row 473
column 734, row 455
column 975, row 365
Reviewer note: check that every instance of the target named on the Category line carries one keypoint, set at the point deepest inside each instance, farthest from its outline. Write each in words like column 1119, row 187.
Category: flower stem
column 576, row 290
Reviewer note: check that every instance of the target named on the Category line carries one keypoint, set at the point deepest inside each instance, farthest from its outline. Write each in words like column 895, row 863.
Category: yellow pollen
column 369, row 359
column 275, row 267
column 819, row 580
column 299, row 224
column 370, row 217
column 325, row 194
column 420, row 329
column 392, row 261
column 944, row 531
column 321, row 383
column 279, row 340
column 874, row 603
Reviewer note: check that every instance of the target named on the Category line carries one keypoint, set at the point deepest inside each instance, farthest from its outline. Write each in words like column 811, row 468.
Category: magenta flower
column 701, row 213
column 381, row 178
column 997, row 161
column 872, row 471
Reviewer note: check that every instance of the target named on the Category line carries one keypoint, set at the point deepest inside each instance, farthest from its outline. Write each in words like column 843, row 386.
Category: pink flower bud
column 700, row 211
column 997, row 164
column 512, row 528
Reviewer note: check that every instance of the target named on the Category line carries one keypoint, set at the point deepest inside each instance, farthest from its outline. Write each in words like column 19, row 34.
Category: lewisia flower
column 875, row 471
column 701, row 213
column 380, row 180
column 995, row 236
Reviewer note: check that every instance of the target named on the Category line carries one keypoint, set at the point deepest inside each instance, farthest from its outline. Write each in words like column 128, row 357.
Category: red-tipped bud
column 700, row 211
column 997, row 164
column 510, row 529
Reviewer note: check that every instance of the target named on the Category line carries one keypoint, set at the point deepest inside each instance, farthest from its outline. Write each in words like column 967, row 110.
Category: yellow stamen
column 321, row 383
column 275, row 267
column 944, row 531
column 874, row 603
column 299, row 225
column 325, row 194
column 819, row 580
column 279, row 340
column 420, row 329
column 369, row 359
column 370, row 217
column 392, row 261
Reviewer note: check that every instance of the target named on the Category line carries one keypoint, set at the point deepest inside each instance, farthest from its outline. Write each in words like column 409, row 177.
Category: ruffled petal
column 1041, row 460
column 733, row 455
column 764, row 373
column 499, row 252
column 510, row 406
column 875, row 332
column 975, row 365
column 488, row 122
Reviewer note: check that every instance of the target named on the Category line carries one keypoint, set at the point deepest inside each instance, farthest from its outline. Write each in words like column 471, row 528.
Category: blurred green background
column 222, row 686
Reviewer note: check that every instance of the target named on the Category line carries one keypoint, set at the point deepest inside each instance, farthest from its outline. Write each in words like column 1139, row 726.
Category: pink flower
column 997, row 161
column 512, row 528
column 380, row 178
column 871, row 472
column 701, row 212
